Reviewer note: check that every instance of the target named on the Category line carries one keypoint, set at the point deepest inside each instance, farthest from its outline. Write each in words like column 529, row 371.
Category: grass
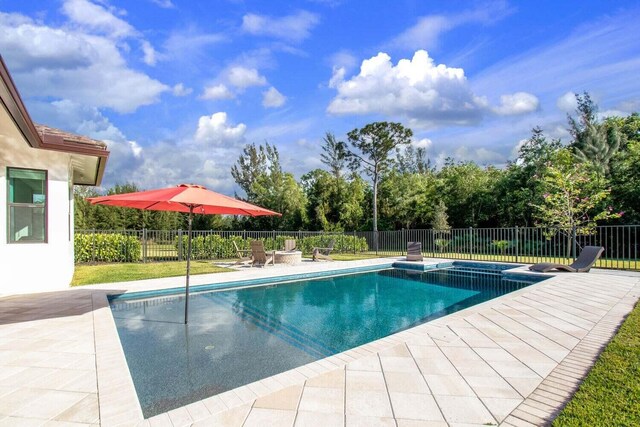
column 109, row 273
column 610, row 395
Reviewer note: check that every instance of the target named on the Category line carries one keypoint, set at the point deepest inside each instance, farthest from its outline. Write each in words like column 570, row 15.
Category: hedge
column 215, row 246
column 106, row 248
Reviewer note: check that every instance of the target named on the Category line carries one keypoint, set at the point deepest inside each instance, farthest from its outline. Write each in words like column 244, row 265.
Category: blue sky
column 177, row 88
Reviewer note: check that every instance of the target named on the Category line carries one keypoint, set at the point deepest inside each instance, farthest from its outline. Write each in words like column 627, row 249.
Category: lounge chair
column 588, row 256
column 244, row 255
column 323, row 253
column 289, row 245
column 259, row 255
column 414, row 251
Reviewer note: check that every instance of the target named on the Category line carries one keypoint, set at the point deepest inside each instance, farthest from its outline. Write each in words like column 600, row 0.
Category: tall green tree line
column 377, row 179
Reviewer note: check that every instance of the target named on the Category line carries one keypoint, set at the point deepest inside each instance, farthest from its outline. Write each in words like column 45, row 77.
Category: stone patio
column 515, row 360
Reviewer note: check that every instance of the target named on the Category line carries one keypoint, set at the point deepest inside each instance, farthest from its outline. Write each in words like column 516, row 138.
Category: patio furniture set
column 257, row 255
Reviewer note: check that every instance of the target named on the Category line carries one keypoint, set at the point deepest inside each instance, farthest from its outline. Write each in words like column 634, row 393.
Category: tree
column 259, row 172
column 406, row 199
column 413, row 160
column 369, row 149
column 574, row 198
column 469, row 193
column 593, row 142
column 625, row 180
column 519, row 186
column 586, row 112
column 251, row 164
column 440, row 221
column 334, row 155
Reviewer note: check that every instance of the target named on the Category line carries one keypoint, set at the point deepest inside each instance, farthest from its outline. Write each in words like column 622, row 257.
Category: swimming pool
column 242, row 335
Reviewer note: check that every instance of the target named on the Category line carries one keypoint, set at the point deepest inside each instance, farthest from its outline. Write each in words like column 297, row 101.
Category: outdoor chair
column 244, row 255
column 289, row 245
column 323, row 253
column 414, row 251
column 588, row 256
column 259, row 255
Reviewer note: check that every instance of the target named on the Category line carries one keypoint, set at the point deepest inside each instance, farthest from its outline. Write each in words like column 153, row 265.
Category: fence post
column 144, row 245
column 180, row 244
column 574, row 238
column 471, row 243
column 402, row 242
column 517, row 243
column 354, row 241
column 93, row 246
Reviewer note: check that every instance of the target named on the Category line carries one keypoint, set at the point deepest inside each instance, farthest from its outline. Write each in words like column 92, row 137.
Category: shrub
column 501, row 245
column 442, row 244
column 214, row 246
column 111, row 247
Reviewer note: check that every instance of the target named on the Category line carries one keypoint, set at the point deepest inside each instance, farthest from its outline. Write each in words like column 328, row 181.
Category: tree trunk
column 375, row 212
column 375, row 204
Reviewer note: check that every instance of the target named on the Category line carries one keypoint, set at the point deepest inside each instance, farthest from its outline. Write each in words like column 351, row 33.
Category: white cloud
column 567, row 103
column 180, row 90
column 517, row 103
column 165, row 4
column 293, row 28
column 242, row 77
column 343, row 59
column 426, row 94
column 190, row 45
column 481, row 156
column 416, row 88
column 215, row 130
column 272, row 98
column 337, row 77
column 70, row 64
column 150, row 55
column 27, row 45
column 219, row 91
column 425, row 33
column 94, row 17
column 425, row 143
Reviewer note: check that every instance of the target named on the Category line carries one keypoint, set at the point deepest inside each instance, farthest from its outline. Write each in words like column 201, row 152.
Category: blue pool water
column 235, row 337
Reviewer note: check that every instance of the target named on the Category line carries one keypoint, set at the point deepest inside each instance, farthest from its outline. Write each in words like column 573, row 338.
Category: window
column 27, row 206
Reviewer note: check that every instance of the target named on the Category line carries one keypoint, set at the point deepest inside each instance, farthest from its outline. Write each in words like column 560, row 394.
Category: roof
column 50, row 135
column 47, row 138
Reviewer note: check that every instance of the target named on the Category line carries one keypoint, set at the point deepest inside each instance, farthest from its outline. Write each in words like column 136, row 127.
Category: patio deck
column 515, row 360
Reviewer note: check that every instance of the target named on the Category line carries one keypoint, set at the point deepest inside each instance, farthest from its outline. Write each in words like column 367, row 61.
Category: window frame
column 29, row 205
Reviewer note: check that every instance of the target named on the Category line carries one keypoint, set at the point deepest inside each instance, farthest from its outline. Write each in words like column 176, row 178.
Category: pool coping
column 123, row 407
column 82, row 328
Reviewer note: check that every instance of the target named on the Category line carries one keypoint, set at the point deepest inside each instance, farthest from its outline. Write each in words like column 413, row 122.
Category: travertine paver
column 514, row 360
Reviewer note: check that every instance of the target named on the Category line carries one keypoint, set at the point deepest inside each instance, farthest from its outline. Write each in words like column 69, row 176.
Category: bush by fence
column 515, row 244
column 215, row 246
column 110, row 247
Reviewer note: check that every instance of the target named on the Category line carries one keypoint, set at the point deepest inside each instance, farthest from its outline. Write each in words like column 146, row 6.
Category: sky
column 177, row 88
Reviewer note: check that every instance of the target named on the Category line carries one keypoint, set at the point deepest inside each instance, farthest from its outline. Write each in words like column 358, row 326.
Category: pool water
column 239, row 336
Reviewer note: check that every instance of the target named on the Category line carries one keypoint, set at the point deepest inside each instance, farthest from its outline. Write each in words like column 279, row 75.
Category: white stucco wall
column 31, row 267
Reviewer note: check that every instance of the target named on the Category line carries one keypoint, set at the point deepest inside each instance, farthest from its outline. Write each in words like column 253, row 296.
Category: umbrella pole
column 186, row 289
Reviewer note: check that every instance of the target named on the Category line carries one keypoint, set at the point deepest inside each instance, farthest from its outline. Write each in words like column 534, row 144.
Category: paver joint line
column 571, row 334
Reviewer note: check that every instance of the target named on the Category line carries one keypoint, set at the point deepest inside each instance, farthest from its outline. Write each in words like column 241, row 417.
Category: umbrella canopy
column 188, row 198
column 180, row 199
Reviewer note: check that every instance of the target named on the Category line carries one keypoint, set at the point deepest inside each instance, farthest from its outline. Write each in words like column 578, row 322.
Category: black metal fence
column 515, row 244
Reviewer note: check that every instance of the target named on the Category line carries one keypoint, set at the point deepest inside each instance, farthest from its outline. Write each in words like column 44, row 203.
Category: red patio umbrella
column 184, row 198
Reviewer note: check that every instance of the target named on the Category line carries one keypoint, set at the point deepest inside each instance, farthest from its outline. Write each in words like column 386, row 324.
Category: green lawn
column 109, row 273
column 610, row 395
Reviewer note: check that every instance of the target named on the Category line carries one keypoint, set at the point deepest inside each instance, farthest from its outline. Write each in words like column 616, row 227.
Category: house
column 39, row 166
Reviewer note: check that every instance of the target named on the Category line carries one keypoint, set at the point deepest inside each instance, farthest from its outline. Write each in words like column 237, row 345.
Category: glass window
column 27, row 205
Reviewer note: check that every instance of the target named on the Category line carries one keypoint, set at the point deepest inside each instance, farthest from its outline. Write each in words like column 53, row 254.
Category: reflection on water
column 237, row 337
